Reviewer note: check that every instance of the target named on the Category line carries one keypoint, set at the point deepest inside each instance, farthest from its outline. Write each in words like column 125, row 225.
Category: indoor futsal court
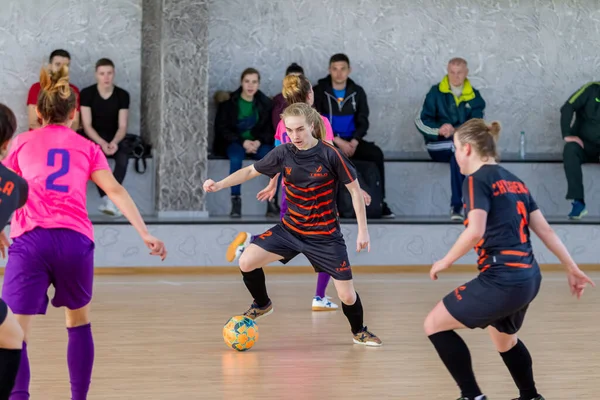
column 160, row 337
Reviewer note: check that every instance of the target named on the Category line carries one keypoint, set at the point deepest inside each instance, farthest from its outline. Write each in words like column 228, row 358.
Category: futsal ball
column 240, row 333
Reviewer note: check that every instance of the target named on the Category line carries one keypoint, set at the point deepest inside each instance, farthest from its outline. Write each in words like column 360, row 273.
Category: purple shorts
column 42, row 257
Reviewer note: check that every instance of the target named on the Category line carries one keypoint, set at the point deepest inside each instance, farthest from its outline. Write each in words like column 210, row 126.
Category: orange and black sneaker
column 367, row 338
column 255, row 312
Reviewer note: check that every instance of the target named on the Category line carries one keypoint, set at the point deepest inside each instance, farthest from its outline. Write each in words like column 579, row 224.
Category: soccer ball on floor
column 240, row 333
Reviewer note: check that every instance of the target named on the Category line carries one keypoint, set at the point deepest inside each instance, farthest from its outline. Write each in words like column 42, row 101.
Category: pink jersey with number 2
column 57, row 163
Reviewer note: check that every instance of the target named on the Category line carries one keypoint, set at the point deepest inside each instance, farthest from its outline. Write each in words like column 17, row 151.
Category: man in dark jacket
column 448, row 105
column 344, row 103
column 582, row 141
column 243, row 128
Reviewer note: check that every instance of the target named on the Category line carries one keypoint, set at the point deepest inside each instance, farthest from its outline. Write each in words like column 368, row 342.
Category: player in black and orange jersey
column 13, row 195
column 312, row 170
column 500, row 213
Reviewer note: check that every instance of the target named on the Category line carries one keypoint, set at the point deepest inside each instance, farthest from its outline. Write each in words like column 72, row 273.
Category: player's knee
column 79, row 317
column 505, row 343
column 11, row 334
column 430, row 325
column 246, row 264
column 347, row 297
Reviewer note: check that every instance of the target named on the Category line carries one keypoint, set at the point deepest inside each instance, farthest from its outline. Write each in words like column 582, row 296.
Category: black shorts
column 483, row 302
column 329, row 256
column 3, row 311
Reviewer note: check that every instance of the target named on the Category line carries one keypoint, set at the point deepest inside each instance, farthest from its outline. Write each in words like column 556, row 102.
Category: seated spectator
column 243, row 128
column 57, row 59
column 279, row 102
column 104, row 113
column 449, row 104
column 344, row 103
column 582, row 141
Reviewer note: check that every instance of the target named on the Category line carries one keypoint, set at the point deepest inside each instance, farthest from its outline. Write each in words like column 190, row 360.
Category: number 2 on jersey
column 522, row 210
column 64, row 160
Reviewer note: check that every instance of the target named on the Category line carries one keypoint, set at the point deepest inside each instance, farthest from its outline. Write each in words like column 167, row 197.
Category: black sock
column 456, row 356
column 9, row 366
column 519, row 363
column 354, row 313
column 255, row 282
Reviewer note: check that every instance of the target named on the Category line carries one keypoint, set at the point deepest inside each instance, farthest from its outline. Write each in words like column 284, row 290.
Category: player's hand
column 267, row 193
column 578, row 281
column 156, row 246
column 366, row 197
column 438, row 267
column 211, row 186
column 363, row 241
column 4, row 244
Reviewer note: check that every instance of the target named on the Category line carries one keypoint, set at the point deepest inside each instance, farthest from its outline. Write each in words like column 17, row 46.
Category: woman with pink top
column 53, row 237
column 296, row 89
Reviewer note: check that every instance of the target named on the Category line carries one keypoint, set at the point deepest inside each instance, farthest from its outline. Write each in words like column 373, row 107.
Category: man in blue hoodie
column 344, row 103
column 448, row 105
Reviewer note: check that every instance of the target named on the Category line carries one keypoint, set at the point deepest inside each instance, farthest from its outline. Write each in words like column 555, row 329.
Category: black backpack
column 370, row 181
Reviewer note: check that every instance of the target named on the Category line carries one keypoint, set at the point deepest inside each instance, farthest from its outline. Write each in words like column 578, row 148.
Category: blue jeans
column 456, row 178
column 236, row 154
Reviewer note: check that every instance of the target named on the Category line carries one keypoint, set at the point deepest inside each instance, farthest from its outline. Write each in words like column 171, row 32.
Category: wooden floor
column 160, row 338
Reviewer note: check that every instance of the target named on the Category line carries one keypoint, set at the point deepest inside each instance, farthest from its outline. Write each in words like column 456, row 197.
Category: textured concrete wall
column 525, row 56
column 175, row 81
column 89, row 30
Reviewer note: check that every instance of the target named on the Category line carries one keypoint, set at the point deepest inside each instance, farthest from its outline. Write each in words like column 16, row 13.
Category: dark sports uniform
column 311, row 225
column 509, row 276
column 13, row 195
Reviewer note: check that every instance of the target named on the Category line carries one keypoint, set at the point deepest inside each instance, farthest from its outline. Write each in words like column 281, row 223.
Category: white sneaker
column 323, row 304
column 237, row 246
column 109, row 208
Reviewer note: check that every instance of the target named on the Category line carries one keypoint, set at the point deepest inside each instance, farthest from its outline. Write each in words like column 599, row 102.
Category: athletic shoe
column 578, row 211
column 323, row 304
column 255, row 312
column 539, row 397
column 367, row 338
column 237, row 246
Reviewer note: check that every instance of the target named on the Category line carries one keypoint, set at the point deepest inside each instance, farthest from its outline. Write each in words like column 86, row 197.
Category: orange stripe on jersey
column 313, row 207
column 518, row 265
column 324, row 223
column 341, row 159
column 308, row 198
column 514, row 253
column 297, row 214
column 308, row 232
column 471, row 193
column 288, row 183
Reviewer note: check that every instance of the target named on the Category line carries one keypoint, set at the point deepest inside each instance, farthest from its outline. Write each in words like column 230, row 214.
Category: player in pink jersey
column 13, row 195
column 296, row 89
column 53, row 240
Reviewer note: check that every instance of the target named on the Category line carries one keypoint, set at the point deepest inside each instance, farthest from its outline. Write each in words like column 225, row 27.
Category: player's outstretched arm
column 465, row 242
column 362, row 239
column 577, row 279
column 118, row 195
column 237, row 178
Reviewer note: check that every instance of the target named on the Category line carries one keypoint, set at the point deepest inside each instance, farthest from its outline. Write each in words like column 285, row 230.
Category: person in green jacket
column 582, row 141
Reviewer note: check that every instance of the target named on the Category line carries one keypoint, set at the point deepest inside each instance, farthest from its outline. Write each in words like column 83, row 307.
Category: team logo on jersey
column 343, row 266
column 288, row 170
column 318, row 173
column 457, row 292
